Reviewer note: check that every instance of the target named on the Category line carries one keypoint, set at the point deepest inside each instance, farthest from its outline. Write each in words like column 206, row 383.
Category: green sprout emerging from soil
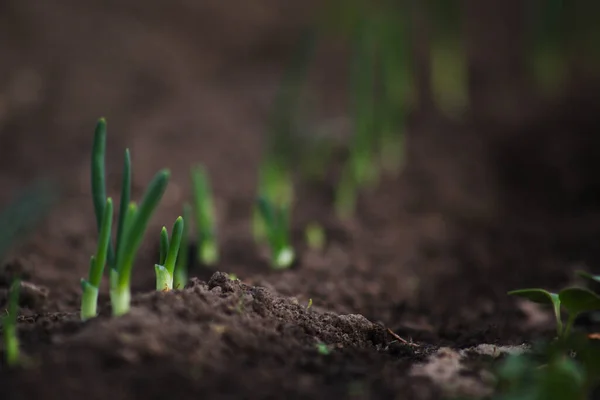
column 180, row 276
column 574, row 300
column 276, row 221
column 208, row 250
column 89, row 299
column 169, row 249
column 9, row 325
column 276, row 185
column 132, row 223
column 566, row 368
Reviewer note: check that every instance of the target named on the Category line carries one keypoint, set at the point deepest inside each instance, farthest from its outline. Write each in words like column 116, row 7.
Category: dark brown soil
column 482, row 207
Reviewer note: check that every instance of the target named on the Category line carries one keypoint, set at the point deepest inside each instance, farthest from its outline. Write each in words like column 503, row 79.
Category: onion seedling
column 169, row 249
column 575, row 300
column 284, row 150
column 276, row 222
column 276, row 185
column 208, row 250
column 180, row 277
column 9, row 325
column 91, row 286
column 133, row 219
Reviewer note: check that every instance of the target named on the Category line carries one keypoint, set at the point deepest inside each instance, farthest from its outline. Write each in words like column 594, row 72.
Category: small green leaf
column 181, row 267
column 98, row 174
column 577, row 300
column 537, row 296
column 586, row 275
column 124, row 205
column 543, row 297
column 175, row 242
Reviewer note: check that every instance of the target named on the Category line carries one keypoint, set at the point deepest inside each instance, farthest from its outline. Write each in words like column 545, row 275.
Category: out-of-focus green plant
column 284, row 150
column 206, row 221
column 277, row 222
column 448, row 56
column 24, row 212
column 315, row 236
column 12, row 352
column 17, row 220
column 548, row 40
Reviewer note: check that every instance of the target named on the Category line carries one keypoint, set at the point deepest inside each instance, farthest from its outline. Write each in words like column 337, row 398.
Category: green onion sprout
column 180, row 276
column 208, row 250
column 9, row 325
column 275, row 184
column 91, row 286
column 132, row 223
column 276, row 221
column 168, row 258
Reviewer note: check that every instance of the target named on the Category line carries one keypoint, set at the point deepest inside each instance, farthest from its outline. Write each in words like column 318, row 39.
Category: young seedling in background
column 132, row 222
column 574, row 300
column 346, row 194
column 208, row 250
column 9, row 325
column 276, row 185
column 593, row 280
column 180, row 276
column 315, row 236
column 285, row 150
column 276, row 221
column 363, row 75
column 168, row 256
column 91, row 286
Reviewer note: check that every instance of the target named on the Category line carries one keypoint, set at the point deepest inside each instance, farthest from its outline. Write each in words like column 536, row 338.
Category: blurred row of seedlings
column 392, row 67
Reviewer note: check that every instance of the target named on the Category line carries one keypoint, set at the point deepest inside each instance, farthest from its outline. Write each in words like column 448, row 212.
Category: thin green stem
column 208, row 253
column 181, row 267
column 99, row 170
column 164, row 245
column 174, row 245
column 9, row 325
column 90, row 287
column 569, row 326
column 276, row 221
column 124, row 204
column 103, row 244
column 557, row 315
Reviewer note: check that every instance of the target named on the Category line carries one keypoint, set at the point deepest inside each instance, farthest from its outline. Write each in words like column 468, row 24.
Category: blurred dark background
column 501, row 104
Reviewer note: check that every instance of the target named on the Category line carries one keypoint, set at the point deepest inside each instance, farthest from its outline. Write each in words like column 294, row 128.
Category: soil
column 482, row 206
